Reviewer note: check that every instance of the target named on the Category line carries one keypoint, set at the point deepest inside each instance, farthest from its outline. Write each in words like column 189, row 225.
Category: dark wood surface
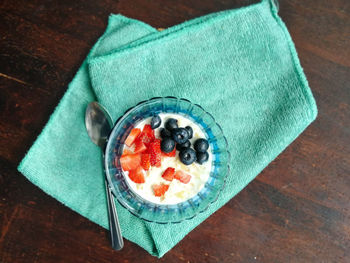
column 296, row 210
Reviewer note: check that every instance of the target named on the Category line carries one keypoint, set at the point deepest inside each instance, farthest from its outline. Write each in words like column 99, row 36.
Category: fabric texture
column 240, row 65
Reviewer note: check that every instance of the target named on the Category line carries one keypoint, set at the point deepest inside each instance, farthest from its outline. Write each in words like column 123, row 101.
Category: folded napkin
column 240, row 65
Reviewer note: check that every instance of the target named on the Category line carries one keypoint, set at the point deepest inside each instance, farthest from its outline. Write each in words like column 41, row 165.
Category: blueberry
column 187, row 156
column 167, row 145
column 186, row 144
column 180, row 135
column 202, row 157
column 201, row 145
column 190, row 131
column 155, row 121
column 171, row 124
column 164, row 133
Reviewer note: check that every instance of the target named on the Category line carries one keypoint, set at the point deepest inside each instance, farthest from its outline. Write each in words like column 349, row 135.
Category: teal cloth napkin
column 240, row 65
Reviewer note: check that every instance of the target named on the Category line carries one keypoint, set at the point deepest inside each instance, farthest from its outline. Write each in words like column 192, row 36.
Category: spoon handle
column 114, row 228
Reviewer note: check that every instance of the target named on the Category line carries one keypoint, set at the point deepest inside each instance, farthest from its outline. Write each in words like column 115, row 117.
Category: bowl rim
column 112, row 186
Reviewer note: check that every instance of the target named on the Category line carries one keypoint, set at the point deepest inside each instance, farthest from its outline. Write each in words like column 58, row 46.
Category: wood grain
column 296, row 210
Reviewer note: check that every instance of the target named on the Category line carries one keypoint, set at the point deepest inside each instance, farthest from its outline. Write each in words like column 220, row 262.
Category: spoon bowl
column 98, row 124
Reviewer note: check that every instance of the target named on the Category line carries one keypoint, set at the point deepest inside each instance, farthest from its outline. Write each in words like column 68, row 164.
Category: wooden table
column 296, row 210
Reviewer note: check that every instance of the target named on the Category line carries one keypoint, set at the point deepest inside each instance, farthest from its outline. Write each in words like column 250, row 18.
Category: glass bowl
column 175, row 212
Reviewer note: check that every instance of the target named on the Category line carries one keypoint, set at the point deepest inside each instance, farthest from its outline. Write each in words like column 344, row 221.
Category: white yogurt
column 178, row 192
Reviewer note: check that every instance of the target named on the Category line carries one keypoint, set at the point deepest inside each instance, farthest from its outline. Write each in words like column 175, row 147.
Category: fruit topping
column 171, row 154
column 144, row 138
column 186, row 144
column 137, row 176
column 202, row 157
column 139, row 147
column 148, row 151
column 167, row 145
column 171, row 124
column 132, row 136
column 201, row 145
column 187, row 156
column 130, row 161
column 169, row 174
column 180, row 135
column 147, row 130
column 160, row 189
column 126, row 152
column 155, row 121
column 182, row 177
column 145, row 161
column 154, row 146
column 155, row 152
column 164, row 133
column 147, row 135
column 190, row 131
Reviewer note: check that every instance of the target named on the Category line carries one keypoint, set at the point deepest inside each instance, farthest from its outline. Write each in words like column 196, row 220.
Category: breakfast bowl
column 161, row 184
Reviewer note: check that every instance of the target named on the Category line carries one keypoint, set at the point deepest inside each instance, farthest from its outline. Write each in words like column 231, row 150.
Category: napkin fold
column 240, row 65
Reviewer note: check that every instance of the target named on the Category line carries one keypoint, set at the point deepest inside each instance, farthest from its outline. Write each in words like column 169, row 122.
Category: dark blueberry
column 201, row 145
column 180, row 135
column 155, row 122
column 171, row 124
column 190, row 131
column 167, row 145
column 202, row 157
column 164, row 133
column 184, row 145
column 187, row 156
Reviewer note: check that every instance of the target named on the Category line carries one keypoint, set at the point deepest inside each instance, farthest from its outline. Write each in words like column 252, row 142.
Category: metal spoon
column 98, row 124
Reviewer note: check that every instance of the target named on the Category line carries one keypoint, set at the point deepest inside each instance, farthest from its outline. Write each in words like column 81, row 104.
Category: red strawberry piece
column 139, row 146
column 145, row 161
column 126, row 152
column 132, row 136
column 130, row 162
column 155, row 152
column 155, row 146
column 147, row 135
column 156, row 160
column 147, row 129
column 137, row 176
column 182, row 177
column 171, row 154
column 160, row 189
column 144, row 138
column 169, row 174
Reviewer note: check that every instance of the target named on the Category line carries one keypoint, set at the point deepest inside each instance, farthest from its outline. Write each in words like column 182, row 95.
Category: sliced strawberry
column 169, row 174
column 139, row 147
column 171, row 154
column 155, row 146
column 145, row 161
column 132, row 136
column 130, row 162
column 147, row 129
column 126, row 152
column 156, row 159
column 147, row 135
column 137, row 176
column 182, row 177
column 160, row 189
column 144, row 138
column 155, row 152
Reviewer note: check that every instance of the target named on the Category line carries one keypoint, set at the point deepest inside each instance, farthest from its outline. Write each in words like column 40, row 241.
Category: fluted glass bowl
column 175, row 212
